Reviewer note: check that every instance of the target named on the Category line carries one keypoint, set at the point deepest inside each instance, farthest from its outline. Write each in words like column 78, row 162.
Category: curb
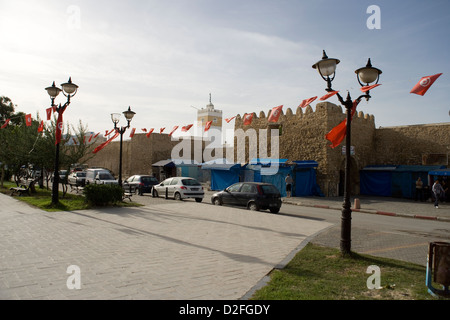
column 383, row 213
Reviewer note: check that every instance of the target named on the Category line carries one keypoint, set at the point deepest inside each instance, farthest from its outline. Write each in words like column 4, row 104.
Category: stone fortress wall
column 303, row 138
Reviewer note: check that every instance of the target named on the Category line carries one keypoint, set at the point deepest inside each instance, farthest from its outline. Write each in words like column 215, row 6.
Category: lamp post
column 366, row 76
column 115, row 117
column 69, row 90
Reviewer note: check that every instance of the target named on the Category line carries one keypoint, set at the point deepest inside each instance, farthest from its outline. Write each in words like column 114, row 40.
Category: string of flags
column 335, row 136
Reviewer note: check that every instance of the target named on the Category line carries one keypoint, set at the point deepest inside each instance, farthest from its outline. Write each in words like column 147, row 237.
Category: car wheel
column 253, row 206
column 217, row 202
column 177, row 196
column 274, row 210
column 198, row 199
column 155, row 193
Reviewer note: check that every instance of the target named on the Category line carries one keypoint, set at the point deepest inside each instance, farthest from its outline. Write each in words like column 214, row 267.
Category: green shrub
column 103, row 194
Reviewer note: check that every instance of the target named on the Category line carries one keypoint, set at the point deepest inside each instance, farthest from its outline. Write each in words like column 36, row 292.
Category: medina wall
column 425, row 144
column 303, row 138
column 138, row 154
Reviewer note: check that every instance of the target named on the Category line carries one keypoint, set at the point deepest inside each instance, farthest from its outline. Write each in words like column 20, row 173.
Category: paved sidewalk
column 168, row 251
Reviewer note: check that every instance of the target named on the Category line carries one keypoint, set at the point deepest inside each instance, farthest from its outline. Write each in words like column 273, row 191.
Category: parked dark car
column 140, row 184
column 253, row 195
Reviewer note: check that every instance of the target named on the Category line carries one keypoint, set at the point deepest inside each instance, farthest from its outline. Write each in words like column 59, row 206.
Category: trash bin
column 438, row 267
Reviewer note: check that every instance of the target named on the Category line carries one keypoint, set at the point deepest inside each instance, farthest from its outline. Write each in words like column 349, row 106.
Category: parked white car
column 100, row 176
column 179, row 188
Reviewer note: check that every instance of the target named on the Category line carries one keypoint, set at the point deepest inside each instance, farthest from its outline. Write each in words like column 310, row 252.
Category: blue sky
column 162, row 57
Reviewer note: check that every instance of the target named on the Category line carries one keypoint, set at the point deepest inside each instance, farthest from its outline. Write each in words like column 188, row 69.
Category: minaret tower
column 207, row 114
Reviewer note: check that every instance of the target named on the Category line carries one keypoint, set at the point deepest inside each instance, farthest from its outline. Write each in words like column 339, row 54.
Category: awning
column 164, row 163
column 440, row 172
column 267, row 161
column 306, row 164
column 218, row 166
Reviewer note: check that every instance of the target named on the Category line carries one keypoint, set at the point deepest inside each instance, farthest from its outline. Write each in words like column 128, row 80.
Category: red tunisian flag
column 228, row 120
column 6, row 123
column 132, row 132
column 424, row 84
column 49, row 113
column 104, row 144
column 208, row 126
column 275, row 114
column 307, row 102
column 41, row 126
column 161, row 130
column 248, row 119
column 28, row 120
column 186, row 128
column 59, row 128
column 338, row 133
column 368, row 88
column 173, row 130
column 329, row 95
column 150, row 132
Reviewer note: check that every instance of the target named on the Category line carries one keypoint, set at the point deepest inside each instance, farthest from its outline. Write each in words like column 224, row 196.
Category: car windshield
column 267, row 189
column 105, row 176
column 149, row 180
column 81, row 174
column 190, row 182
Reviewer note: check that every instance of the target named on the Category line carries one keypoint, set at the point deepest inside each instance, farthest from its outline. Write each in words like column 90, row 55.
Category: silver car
column 179, row 188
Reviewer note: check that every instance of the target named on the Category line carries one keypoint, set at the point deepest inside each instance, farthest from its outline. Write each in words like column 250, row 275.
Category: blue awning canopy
column 164, row 163
column 267, row 161
column 218, row 166
column 306, row 164
column 440, row 172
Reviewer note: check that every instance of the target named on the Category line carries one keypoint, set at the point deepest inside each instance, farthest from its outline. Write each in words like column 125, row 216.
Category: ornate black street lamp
column 366, row 76
column 69, row 90
column 115, row 117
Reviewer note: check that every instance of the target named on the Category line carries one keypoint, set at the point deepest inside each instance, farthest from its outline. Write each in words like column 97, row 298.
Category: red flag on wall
column 173, row 130
column 228, row 120
column 338, row 133
column 104, row 144
column 329, row 95
column 28, row 120
column 144, row 129
column 307, row 102
column 150, row 132
column 208, row 126
column 275, row 114
column 132, row 132
column 96, row 135
column 161, row 130
column 6, row 123
column 186, row 128
column 59, row 128
column 90, row 137
column 424, row 84
column 248, row 119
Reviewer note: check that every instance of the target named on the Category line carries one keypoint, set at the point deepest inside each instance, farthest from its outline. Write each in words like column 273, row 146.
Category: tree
column 11, row 137
column 23, row 147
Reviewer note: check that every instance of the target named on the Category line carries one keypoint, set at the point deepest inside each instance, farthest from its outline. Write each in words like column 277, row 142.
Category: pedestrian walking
column 438, row 191
column 289, row 182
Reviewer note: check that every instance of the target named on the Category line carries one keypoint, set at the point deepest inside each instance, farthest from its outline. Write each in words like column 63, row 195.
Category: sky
column 164, row 58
